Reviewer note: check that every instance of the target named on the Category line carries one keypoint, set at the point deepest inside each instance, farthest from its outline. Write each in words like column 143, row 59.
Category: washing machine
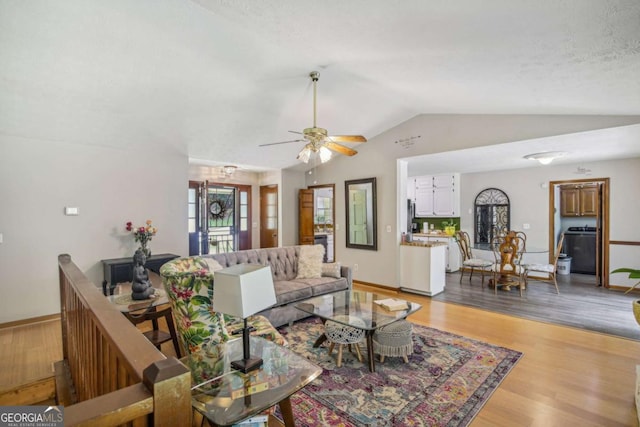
column 580, row 245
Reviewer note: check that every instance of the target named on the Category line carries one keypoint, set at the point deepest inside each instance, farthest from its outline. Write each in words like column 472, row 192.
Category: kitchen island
column 422, row 267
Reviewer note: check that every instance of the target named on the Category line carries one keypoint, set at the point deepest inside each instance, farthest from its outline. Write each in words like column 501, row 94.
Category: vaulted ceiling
column 214, row 79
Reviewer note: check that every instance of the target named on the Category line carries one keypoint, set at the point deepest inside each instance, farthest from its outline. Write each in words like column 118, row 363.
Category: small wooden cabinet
column 118, row 270
column 579, row 200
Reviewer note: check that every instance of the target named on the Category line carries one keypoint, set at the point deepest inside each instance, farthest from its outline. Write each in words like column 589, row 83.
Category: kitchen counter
column 423, row 244
column 435, row 233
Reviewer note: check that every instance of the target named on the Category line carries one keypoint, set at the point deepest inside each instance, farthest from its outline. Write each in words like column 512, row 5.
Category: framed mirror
column 360, row 209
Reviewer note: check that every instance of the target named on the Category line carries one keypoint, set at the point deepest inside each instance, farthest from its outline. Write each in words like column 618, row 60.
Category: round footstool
column 340, row 334
column 393, row 340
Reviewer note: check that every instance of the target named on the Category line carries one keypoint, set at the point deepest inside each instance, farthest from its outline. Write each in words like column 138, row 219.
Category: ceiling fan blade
column 281, row 142
column 340, row 148
column 348, row 138
column 295, row 131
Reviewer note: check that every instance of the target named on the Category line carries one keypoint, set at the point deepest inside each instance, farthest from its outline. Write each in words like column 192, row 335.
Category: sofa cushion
column 324, row 285
column 310, row 262
column 288, row 291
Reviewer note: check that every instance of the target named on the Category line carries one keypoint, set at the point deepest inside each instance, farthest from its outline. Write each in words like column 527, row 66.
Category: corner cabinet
column 579, row 200
column 437, row 195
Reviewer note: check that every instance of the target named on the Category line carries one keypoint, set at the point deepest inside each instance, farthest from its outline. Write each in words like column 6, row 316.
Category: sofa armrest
column 345, row 271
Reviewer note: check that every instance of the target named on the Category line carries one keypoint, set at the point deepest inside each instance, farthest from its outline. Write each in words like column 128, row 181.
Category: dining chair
column 468, row 261
column 505, row 269
column 549, row 269
column 521, row 241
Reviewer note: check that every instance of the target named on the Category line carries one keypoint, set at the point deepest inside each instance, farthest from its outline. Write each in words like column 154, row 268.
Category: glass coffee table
column 226, row 396
column 344, row 306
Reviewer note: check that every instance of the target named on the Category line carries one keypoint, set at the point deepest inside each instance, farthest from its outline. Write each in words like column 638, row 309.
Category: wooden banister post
column 170, row 382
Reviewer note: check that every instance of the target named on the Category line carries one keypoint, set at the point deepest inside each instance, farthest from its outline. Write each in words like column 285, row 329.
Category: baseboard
column 31, row 321
column 376, row 285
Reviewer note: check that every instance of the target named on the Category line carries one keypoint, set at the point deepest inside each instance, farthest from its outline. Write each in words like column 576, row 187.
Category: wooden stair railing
column 110, row 373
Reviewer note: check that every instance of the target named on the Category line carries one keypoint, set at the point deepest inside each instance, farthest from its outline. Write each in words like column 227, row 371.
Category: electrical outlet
column 355, row 267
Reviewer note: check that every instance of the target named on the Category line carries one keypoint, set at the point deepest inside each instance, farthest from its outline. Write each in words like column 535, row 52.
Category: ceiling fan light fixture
column 304, row 155
column 545, row 157
column 325, row 154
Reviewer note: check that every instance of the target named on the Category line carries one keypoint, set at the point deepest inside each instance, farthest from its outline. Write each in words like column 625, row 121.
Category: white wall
column 109, row 186
column 442, row 133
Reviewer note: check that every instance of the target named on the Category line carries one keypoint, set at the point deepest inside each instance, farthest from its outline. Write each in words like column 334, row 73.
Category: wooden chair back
column 464, row 244
column 558, row 250
column 505, row 251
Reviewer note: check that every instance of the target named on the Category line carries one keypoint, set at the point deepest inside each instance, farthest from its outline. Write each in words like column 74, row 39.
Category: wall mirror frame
column 361, row 215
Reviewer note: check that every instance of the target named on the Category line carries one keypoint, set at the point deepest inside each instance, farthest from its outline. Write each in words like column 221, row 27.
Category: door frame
column 602, row 221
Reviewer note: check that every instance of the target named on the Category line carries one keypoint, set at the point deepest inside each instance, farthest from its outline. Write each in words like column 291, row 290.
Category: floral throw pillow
column 310, row 262
column 331, row 269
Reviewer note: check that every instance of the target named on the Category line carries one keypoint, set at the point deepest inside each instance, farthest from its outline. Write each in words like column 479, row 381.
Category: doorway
column 219, row 216
column 324, row 218
column 316, row 217
column 580, row 209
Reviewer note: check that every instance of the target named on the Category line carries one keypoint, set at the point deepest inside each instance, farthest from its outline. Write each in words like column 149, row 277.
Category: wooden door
column 305, row 217
column 269, row 216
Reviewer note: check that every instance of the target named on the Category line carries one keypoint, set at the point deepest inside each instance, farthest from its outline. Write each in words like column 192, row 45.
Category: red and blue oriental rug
column 446, row 382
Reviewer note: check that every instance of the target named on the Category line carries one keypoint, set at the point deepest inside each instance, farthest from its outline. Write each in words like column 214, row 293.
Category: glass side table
column 226, row 396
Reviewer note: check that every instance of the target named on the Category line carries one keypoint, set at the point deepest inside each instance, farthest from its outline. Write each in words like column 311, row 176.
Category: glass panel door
column 221, row 219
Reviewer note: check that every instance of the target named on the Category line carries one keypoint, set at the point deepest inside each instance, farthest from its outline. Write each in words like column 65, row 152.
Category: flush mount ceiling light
column 546, row 157
column 228, row 170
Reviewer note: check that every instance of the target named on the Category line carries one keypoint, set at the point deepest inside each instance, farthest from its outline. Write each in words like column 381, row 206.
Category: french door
column 219, row 218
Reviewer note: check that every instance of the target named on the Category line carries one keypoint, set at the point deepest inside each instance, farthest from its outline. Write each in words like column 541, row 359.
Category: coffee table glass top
column 344, row 305
column 225, row 396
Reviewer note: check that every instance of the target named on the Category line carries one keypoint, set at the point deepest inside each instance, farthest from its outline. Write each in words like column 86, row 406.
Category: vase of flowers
column 143, row 235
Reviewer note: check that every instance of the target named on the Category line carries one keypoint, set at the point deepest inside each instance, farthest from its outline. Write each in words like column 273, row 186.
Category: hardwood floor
column 580, row 303
column 568, row 376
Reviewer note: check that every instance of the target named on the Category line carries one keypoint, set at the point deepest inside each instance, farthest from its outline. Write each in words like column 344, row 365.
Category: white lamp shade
column 243, row 290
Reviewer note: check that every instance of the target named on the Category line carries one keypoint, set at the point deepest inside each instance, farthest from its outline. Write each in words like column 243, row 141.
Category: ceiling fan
column 318, row 140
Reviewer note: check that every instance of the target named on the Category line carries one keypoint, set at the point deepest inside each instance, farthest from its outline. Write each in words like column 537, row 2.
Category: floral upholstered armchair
column 189, row 284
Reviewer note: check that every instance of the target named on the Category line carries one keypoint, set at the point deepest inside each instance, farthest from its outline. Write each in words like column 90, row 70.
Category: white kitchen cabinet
column 452, row 252
column 437, row 195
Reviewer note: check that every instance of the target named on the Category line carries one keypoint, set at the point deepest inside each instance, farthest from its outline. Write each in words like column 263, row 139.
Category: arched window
column 492, row 215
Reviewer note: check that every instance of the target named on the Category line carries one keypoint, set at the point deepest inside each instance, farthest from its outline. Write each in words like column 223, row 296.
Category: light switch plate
column 1, row 238
column 71, row 211
column 526, row 226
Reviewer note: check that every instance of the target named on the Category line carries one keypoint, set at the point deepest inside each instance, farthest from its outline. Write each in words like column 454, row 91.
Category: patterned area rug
column 446, row 382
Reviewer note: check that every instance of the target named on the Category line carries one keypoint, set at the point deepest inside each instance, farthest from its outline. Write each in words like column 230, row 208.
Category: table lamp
column 240, row 291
